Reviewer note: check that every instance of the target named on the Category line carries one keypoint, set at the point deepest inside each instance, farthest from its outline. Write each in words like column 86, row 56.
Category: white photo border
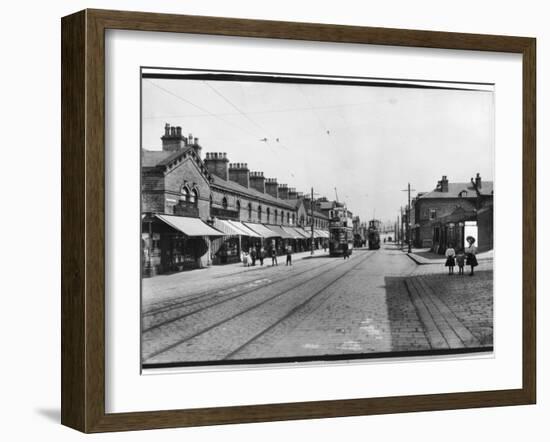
column 127, row 390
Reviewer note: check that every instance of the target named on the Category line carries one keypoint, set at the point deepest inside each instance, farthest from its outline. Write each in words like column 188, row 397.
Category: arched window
column 249, row 212
column 184, row 194
column 268, row 214
column 238, row 208
column 260, row 213
column 194, row 197
column 224, row 202
column 276, row 216
column 211, row 200
column 293, row 219
column 288, row 217
column 302, row 220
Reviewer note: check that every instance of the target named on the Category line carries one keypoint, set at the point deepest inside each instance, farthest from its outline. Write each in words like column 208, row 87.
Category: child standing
column 460, row 263
column 450, row 254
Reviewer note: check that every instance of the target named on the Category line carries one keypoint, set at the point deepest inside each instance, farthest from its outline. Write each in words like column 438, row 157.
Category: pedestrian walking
column 471, row 252
column 460, row 263
column 274, row 257
column 248, row 260
column 450, row 254
column 345, row 250
column 244, row 258
column 289, row 255
column 261, row 255
column 253, row 255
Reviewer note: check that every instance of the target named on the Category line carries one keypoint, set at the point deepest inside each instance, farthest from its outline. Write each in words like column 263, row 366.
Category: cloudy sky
column 368, row 142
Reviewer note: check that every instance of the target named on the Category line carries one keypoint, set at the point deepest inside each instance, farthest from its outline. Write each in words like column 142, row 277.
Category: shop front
column 174, row 243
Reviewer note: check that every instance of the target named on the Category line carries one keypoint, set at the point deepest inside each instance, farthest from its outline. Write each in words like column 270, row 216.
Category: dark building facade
column 438, row 217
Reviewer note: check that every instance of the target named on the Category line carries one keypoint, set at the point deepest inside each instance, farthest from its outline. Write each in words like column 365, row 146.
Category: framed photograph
column 271, row 220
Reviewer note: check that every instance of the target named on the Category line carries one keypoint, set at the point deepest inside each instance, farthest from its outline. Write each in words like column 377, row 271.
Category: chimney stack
column 216, row 163
column 257, row 181
column 173, row 140
column 292, row 194
column 239, row 173
column 283, row 191
column 444, row 184
column 271, row 187
column 478, row 181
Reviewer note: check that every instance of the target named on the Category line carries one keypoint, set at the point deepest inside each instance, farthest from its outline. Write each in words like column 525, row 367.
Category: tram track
column 270, row 298
column 293, row 311
column 212, row 295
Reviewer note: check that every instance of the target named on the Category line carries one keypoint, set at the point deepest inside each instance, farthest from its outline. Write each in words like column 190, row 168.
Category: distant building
column 438, row 217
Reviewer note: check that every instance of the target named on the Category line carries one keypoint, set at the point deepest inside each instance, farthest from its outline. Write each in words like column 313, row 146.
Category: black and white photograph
column 305, row 218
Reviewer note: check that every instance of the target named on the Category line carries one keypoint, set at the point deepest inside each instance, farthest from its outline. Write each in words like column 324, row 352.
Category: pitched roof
column 455, row 189
column 152, row 158
column 253, row 193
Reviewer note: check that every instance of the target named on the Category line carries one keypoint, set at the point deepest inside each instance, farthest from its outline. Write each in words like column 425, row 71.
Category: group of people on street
column 249, row 258
column 468, row 257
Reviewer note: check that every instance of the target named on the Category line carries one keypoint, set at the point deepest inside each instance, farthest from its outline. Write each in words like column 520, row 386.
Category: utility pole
column 312, row 221
column 408, row 225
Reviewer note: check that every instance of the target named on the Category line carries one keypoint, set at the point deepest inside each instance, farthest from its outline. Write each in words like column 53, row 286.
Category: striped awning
column 262, row 230
column 294, row 232
column 282, row 233
column 305, row 233
column 226, row 227
column 245, row 231
column 189, row 226
column 322, row 233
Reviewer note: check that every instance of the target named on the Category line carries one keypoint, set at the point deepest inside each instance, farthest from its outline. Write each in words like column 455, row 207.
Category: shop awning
column 294, row 232
column 245, row 231
column 280, row 231
column 226, row 227
column 189, row 226
column 305, row 233
column 262, row 230
column 323, row 233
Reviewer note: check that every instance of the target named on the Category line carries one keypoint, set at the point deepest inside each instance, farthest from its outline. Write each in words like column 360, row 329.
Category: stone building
column 200, row 210
column 438, row 217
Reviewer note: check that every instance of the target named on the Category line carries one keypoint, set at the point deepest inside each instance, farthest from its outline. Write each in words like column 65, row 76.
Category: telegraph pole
column 312, row 222
column 409, row 238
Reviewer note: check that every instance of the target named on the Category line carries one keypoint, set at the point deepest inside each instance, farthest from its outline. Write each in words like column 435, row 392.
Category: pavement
column 378, row 301
column 425, row 256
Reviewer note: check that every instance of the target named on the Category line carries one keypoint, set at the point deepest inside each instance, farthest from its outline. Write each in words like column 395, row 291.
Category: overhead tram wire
column 322, row 125
column 258, row 126
column 244, row 114
column 260, row 112
column 206, row 111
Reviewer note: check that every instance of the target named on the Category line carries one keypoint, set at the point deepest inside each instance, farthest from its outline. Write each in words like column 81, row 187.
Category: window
column 302, row 220
column 184, row 194
column 268, row 213
column 211, row 200
column 288, row 217
column 260, row 213
column 293, row 218
column 276, row 216
column 224, row 202
column 249, row 212
column 432, row 214
column 239, row 208
column 194, row 197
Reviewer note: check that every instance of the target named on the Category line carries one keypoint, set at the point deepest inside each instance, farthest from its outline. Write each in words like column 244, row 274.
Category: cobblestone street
column 376, row 302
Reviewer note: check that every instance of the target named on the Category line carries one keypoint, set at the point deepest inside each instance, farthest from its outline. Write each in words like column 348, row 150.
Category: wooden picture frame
column 83, row 220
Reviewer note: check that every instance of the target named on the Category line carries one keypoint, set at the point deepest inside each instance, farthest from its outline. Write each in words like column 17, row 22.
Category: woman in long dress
column 471, row 252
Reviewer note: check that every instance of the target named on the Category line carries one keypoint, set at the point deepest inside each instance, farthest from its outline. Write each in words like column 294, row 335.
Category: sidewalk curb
column 415, row 259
